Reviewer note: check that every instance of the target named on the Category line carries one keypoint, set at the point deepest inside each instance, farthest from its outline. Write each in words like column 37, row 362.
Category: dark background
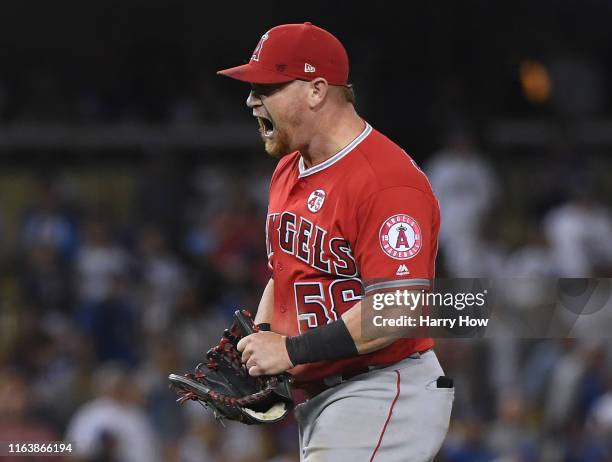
column 133, row 194
column 416, row 70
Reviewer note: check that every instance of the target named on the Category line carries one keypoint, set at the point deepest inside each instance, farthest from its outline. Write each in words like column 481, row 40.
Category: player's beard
column 279, row 145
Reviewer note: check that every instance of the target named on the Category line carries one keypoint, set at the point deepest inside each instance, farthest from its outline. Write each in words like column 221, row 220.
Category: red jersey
column 366, row 219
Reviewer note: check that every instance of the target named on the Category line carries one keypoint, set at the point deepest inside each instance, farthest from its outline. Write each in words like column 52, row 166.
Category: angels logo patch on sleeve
column 400, row 237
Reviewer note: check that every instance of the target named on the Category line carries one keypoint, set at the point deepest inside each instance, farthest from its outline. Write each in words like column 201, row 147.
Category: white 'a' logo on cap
column 258, row 48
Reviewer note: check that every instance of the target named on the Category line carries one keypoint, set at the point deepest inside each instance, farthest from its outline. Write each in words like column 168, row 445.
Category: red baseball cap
column 294, row 52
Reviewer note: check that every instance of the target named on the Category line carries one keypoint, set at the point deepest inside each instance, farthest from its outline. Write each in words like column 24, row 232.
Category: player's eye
column 267, row 89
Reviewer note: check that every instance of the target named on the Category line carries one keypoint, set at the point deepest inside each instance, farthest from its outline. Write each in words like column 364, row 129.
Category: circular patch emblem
column 400, row 237
column 315, row 200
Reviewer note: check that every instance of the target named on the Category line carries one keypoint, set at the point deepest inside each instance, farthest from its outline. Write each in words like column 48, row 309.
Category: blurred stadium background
column 133, row 192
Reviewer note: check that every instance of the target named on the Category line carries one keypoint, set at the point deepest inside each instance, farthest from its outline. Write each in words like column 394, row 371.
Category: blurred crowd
column 105, row 293
column 103, row 300
column 527, row 217
column 526, row 400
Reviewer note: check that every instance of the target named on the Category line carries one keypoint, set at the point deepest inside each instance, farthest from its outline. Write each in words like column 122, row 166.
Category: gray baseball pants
column 396, row 413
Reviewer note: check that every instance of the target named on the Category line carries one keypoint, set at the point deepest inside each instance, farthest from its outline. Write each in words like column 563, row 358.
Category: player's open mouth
column 266, row 127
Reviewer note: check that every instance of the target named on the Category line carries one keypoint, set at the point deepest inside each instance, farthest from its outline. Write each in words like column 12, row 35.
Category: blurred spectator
column 200, row 240
column 562, row 394
column 17, row 419
column 45, row 280
column 580, row 232
column 600, row 418
column 167, row 418
column 504, row 369
column 113, row 324
column 465, row 186
column 46, row 224
column 593, row 383
column 204, row 439
column 196, row 327
column 534, row 259
column 162, row 278
column 98, row 261
column 470, row 446
column 538, row 369
column 510, row 436
column 244, row 444
column 113, row 426
column 482, row 255
column 59, row 364
column 585, row 447
column 161, row 195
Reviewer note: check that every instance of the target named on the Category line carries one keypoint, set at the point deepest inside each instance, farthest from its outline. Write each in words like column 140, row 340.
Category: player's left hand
column 265, row 353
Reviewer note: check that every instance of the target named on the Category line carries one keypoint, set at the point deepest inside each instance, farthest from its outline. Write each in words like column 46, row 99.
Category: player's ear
column 318, row 91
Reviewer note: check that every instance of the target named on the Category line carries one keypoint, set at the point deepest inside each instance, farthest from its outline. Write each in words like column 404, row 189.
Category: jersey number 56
column 317, row 306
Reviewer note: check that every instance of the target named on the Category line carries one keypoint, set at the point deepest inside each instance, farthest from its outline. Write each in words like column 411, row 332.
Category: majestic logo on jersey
column 258, row 48
column 400, row 237
column 315, row 200
column 402, row 270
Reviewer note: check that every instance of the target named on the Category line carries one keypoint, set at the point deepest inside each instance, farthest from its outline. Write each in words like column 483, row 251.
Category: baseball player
column 350, row 215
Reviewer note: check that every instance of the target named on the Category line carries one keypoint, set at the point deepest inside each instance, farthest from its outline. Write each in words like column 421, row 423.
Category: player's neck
column 334, row 132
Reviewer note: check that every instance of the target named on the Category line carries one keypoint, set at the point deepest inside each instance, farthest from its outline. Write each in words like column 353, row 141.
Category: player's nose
column 253, row 100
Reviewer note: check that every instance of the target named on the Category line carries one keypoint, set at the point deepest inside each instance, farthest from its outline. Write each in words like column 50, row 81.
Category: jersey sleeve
column 270, row 223
column 397, row 235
